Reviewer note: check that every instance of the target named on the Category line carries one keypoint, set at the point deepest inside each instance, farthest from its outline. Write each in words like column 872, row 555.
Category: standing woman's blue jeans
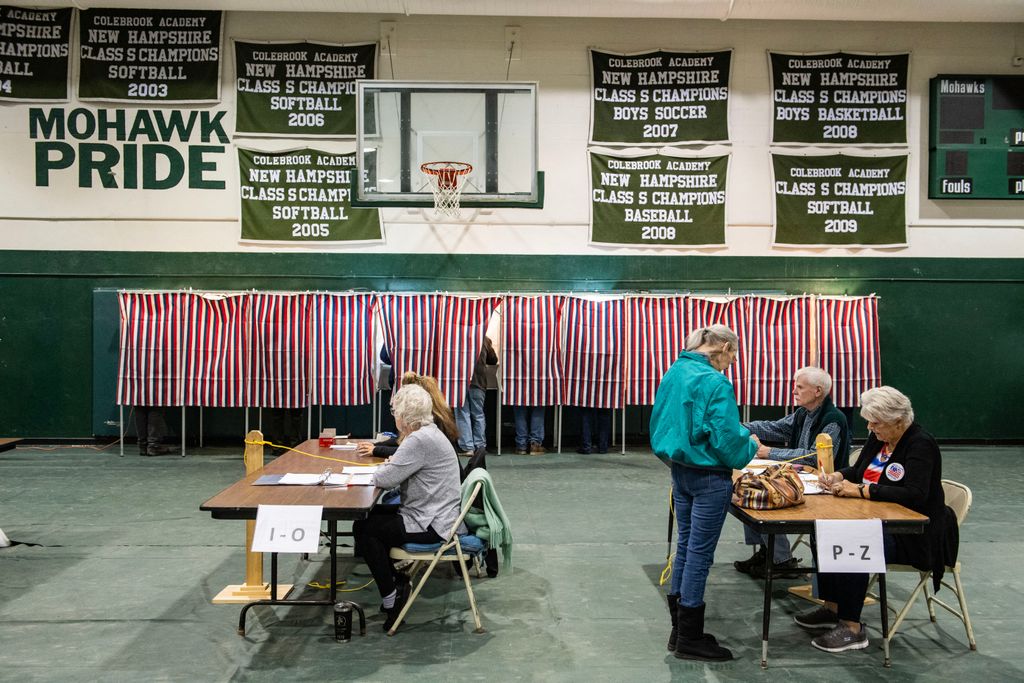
column 701, row 498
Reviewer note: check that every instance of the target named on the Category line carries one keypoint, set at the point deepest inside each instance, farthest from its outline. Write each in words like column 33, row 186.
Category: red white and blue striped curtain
column 279, row 340
column 848, row 346
column 779, row 345
column 216, row 344
column 655, row 334
column 150, row 364
column 342, row 349
column 530, row 351
column 461, row 326
column 593, row 352
column 732, row 312
column 409, row 323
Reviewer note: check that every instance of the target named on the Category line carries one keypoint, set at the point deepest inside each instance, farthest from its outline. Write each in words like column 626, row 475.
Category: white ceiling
column 994, row 11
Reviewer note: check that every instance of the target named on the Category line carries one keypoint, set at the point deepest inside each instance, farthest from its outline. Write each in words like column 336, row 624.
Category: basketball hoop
column 447, row 178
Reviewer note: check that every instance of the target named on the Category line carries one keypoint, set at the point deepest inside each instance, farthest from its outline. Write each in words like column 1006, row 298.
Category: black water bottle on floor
column 342, row 622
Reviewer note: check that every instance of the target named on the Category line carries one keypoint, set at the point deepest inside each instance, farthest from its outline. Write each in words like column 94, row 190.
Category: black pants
column 603, row 419
column 847, row 591
column 376, row 535
column 150, row 427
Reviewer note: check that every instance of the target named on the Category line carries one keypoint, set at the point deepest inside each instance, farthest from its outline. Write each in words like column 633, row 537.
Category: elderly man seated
column 815, row 414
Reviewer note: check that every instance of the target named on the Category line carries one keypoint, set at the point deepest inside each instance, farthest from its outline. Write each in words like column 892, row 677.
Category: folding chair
column 454, row 549
column 958, row 497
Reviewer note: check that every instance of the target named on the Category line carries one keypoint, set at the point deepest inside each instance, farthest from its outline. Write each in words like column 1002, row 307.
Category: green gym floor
column 119, row 587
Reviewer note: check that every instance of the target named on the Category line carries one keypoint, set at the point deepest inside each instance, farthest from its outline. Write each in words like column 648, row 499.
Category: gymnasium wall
column 951, row 300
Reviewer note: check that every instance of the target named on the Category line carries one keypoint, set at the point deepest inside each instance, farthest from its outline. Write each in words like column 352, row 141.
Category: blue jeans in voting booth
column 536, row 427
column 701, row 498
column 469, row 418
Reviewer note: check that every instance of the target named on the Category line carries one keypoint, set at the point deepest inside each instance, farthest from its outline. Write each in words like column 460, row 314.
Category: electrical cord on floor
column 317, row 584
column 666, row 573
column 60, row 448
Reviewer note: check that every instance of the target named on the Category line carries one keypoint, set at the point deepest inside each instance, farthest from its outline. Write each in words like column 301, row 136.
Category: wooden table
column 800, row 519
column 241, row 500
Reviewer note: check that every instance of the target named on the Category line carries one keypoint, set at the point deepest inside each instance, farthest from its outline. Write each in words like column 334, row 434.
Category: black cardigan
column 916, row 483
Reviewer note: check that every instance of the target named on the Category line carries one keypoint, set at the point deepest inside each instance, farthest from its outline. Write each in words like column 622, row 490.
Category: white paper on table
column 850, row 546
column 360, row 479
column 287, row 529
column 810, row 482
column 358, row 469
column 311, row 479
column 343, row 447
column 762, row 462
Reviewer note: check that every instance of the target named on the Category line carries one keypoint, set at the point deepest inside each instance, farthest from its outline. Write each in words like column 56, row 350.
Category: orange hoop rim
column 449, row 168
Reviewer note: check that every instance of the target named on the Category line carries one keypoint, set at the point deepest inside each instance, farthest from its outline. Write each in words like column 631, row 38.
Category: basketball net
column 446, row 178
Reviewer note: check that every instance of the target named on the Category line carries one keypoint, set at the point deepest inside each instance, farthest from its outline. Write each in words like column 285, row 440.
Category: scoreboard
column 976, row 137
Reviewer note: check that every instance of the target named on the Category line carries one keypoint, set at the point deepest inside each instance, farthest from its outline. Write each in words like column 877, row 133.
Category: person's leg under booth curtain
column 475, row 399
column 537, row 424
column 519, row 414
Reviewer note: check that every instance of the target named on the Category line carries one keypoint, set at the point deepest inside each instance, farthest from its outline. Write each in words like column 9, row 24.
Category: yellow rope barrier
column 312, row 455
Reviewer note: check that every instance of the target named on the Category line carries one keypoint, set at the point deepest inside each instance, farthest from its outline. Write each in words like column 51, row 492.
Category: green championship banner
column 149, row 55
column 302, row 196
column 840, row 200
column 840, row 98
column 34, row 51
column 299, row 88
column 659, row 98
column 657, row 200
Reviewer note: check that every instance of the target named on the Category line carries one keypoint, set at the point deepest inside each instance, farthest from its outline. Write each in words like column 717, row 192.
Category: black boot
column 692, row 642
column 673, row 605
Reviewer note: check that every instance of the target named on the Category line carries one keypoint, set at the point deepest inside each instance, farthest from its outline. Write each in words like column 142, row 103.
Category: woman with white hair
column 695, row 427
column 900, row 463
column 426, row 469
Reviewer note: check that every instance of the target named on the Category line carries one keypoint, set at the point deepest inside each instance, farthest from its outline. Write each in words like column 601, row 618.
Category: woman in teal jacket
column 695, row 428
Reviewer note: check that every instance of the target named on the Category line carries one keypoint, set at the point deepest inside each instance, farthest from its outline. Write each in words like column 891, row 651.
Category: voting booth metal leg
column 200, row 426
column 373, row 416
column 558, row 427
column 183, row 430
column 121, row 422
column 623, row 428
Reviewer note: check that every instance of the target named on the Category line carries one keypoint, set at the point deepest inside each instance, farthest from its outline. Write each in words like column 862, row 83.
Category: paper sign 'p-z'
column 851, row 546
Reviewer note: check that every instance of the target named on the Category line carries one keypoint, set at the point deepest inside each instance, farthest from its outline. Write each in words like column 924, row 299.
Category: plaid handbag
column 777, row 487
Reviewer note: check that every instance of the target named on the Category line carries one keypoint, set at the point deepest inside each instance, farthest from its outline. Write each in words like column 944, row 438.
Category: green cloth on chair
column 492, row 524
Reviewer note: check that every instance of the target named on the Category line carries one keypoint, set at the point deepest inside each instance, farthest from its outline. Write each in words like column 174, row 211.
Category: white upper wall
column 554, row 53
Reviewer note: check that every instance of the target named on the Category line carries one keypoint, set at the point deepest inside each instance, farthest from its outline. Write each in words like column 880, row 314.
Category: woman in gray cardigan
column 426, row 469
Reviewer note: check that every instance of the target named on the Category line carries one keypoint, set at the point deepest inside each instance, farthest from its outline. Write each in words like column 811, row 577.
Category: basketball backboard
column 401, row 125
